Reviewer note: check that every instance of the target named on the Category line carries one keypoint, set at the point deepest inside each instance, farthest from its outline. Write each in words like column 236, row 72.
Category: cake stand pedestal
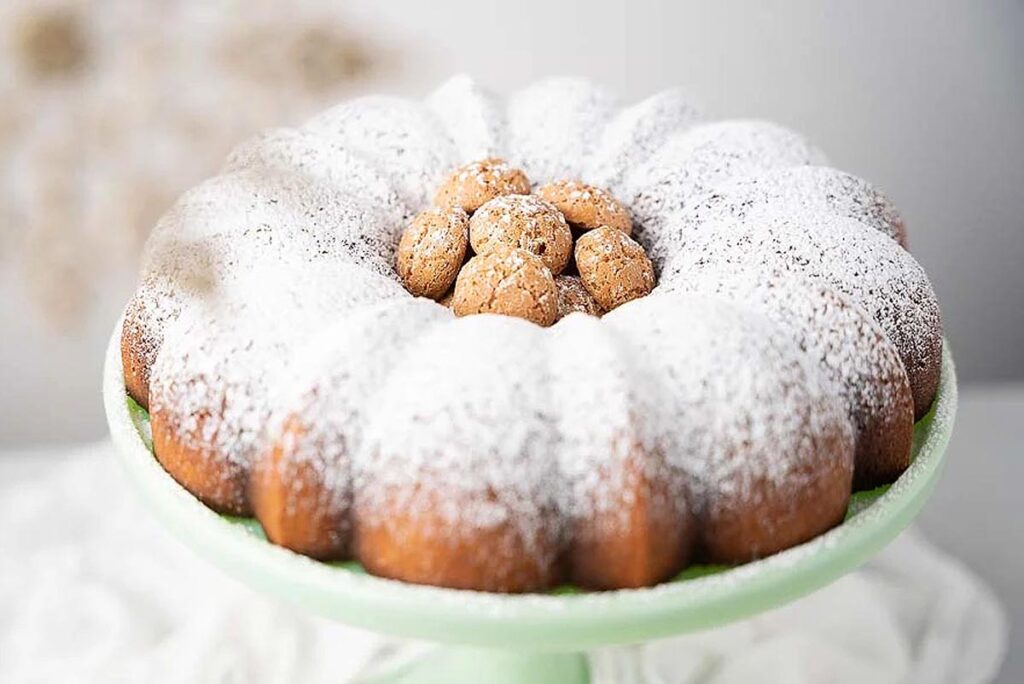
column 460, row 664
column 538, row 638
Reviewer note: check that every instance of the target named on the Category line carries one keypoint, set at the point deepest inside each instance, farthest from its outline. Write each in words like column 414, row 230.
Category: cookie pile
column 489, row 246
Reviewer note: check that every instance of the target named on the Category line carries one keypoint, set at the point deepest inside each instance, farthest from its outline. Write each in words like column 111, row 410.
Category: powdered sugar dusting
column 800, row 189
column 347, row 360
column 744, row 405
column 329, row 381
column 346, row 171
column 693, row 163
column 473, row 117
column 851, row 349
column 608, row 411
column 465, row 414
column 216, row 371
column 239, row 217
column 862, row 263
column 634, row 135
column 242, row 219
column 403, row 137
column 553, row 124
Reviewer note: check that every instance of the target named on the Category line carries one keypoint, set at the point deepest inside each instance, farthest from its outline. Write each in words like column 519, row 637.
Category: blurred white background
column 925, row 99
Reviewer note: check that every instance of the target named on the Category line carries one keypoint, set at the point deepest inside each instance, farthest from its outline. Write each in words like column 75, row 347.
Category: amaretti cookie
column 473, row 185
column 432, row 250
column 526, row 222
column 510, row 281
column 586, row 207
column 613, row 267
column 573, row 296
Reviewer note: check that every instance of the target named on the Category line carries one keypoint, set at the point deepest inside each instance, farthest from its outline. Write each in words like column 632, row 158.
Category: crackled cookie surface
column 613, row 267
column 510, row 281
column 526, row 222
column 432, row 250
column 476, row 183
column 586, row 207
column 573, row 296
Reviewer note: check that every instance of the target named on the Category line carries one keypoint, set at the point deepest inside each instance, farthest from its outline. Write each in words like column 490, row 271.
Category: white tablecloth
column 93, row 590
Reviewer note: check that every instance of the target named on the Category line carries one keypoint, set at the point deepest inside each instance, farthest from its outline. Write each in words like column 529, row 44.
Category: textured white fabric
column 93, row 590
column 912, row 614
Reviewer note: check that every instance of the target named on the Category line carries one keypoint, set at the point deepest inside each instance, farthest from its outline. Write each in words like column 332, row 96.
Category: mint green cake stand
column 526, row 638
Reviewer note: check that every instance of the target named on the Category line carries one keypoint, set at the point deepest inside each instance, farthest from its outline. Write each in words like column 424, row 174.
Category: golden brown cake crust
column 769, row 518
column 613, row 267
column 647, row 540
column 218, row 483
column 924, row 380
column 294, row 505
column 883, row 445
column 136, row 362
column 418, row 544
column 146, row 316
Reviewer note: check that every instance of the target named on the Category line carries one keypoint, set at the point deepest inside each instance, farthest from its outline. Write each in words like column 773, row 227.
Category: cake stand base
column 459, row 665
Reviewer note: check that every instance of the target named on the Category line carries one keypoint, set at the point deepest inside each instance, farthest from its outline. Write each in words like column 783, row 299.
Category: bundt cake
column 506, row 347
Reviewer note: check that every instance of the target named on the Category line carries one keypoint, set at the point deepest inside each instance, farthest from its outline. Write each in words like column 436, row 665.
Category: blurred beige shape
column 51, row 43
column 109, row 109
